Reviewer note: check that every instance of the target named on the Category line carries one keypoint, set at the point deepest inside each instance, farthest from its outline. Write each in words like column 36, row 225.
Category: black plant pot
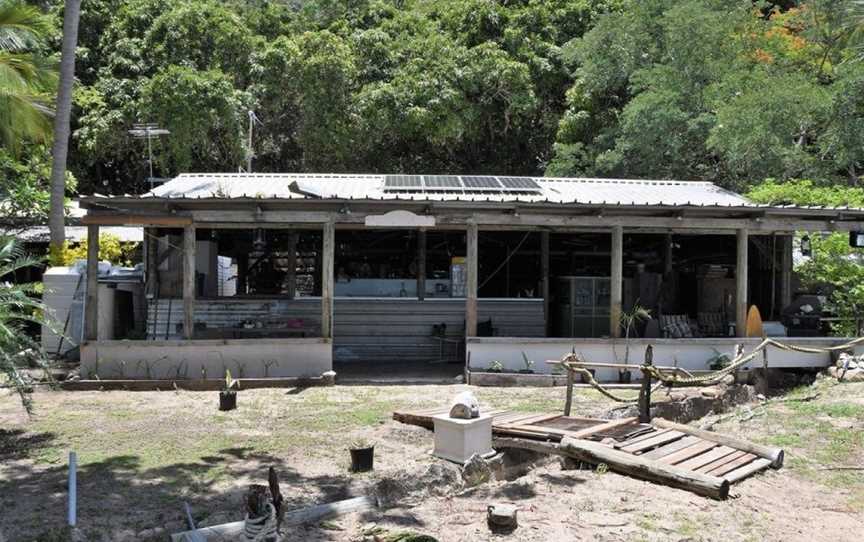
column 227, row 400
column 362, row 459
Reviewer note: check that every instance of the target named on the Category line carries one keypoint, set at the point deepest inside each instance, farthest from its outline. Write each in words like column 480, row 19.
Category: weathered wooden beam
column 189, row 281
column 291, row 264
column 775, row 455
column 170, row 221
column 616, row 281
column 741, row 274
column 471, row 268
column 91, row 314
column 785, row 271
column 668, row 254
column 421, row 264
column 328, row 254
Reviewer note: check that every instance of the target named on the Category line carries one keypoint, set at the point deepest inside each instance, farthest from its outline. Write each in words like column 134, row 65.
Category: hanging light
column 806, row 246
column 259, row 239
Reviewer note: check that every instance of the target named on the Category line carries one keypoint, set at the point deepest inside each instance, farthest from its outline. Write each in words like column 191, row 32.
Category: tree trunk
column 56, row 219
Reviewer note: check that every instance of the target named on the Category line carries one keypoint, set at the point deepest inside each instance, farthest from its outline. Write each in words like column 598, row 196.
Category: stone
column 476, row 471
column 502, row 517
column 465, row 406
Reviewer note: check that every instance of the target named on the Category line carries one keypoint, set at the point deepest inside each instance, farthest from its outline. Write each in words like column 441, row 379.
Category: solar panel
column 519, row 183
column 442, row 181
column 403, row 181
column 481, row 182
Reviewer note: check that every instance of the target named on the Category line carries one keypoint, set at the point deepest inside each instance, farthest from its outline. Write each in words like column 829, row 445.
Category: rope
column 262, row 528
column 596, row 385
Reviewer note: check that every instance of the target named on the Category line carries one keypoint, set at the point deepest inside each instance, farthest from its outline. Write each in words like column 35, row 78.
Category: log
column 624, row 463
column 234, row 530
column 646, row 469
column 775, row 455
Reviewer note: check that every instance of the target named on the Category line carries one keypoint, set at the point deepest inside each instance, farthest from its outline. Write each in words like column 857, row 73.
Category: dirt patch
column 143, row 454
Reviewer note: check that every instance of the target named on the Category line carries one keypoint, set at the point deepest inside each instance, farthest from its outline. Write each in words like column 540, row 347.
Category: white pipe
column 73, row 490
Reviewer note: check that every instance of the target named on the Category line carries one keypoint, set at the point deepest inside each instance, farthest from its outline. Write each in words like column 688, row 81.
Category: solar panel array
column 456, row 183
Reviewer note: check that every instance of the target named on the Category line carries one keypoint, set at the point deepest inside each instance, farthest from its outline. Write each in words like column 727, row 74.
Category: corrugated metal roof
column 371, row 187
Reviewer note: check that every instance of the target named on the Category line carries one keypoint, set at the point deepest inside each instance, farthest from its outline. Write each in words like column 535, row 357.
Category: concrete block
column 458, row 439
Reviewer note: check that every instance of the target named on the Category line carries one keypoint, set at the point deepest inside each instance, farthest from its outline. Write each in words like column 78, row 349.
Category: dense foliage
column 833, row 264
column 731, row 92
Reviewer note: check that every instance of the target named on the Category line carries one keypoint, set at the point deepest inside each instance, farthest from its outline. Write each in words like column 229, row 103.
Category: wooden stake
column 645, row 391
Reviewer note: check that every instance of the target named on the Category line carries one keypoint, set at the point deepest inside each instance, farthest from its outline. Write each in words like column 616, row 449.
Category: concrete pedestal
column 457, row 439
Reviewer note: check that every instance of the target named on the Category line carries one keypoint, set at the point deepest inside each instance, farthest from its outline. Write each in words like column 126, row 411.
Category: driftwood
column 625, row 463
column 234, row 530
column 775, row 455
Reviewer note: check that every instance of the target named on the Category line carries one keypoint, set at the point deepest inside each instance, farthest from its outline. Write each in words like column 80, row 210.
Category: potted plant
column 228, row 395
column 495, row 367
column 628, row 320
column 529, row 365
column 362, row 455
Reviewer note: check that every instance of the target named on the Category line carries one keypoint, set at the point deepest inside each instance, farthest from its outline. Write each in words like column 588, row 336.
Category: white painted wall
column 245, row 358
column 692, row 354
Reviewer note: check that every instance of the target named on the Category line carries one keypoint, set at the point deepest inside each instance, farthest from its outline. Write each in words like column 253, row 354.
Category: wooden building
column 283, row 274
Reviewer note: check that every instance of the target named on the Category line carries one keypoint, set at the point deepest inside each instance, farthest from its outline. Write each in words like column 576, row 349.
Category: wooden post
column 291, row 264
column 91, row 315
column 645, row 391
column 421, row 264
column 568, row 401
column 242, row 273
column 741, row 285
column 544, row 278
column 616, row 281
column 668, row 264
column 189, row 281
column 785, row 271
column 471, row 267
column 151, row 271
column 327, row 277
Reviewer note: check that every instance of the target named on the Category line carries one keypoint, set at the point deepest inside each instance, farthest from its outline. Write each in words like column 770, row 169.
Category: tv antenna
column 149, row 131
column 253, row 119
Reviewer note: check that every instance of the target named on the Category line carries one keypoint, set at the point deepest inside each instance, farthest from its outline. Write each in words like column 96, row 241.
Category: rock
column 711, row 392
column 501, row 517
column 729, row 380
column 465, row 406
column 476, row 471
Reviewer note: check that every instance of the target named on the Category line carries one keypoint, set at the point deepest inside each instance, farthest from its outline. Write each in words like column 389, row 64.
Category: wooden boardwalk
column 670, row 444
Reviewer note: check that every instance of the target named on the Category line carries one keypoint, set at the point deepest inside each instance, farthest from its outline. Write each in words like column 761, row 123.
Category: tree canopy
column 731, row 92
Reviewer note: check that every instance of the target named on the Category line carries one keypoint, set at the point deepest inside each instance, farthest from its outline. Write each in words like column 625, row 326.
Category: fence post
column 645, row 391
column 568, row 401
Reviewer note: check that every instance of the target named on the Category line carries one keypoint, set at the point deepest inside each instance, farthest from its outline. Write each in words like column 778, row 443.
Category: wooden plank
column 688, row 452
column 172, row 221
column 732, row 465
column 536, row 419
column 741, row 283
column 639, row 467
column 768, row 452
column 602, row 427
column 671, row 448
column 751, row 468
column 707, row 458
column 639, row 438
column 722, row 461
column 658, row 440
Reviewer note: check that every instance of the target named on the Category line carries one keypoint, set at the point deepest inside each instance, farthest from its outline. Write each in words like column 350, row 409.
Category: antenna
column 253, row 118
column 148, row 131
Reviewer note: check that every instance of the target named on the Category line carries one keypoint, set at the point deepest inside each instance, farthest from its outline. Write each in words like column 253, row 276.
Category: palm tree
column 27, row 80
column 18, row 306
column 60, row 150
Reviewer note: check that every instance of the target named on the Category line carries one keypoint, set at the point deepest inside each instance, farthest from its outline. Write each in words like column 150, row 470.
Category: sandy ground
column 143, row 454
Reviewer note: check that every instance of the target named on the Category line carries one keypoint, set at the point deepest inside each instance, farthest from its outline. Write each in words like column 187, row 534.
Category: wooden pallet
column 673, row 445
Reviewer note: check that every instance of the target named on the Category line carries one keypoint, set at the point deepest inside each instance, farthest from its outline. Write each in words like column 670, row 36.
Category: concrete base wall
column 245, row 358
column 691, row 354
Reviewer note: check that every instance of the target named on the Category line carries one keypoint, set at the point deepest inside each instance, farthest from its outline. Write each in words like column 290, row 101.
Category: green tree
column 18, row 305
column 27, row 80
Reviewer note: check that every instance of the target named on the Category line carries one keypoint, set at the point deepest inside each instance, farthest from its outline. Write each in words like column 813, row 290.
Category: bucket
column 227, row 400
column 362, row 459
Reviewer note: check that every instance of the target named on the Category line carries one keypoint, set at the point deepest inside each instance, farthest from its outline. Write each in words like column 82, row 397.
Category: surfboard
column 754, row 322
